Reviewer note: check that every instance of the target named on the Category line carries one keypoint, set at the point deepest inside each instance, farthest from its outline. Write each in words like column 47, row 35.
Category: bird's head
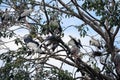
column 27, row 38
column 90, row 42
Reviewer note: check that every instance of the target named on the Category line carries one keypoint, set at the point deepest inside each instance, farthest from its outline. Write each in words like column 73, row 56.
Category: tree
column 44, row 24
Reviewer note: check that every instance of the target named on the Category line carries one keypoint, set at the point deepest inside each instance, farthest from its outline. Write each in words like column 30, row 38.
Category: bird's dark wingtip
column 19, row 18
column 43, row 52
column 70, row 36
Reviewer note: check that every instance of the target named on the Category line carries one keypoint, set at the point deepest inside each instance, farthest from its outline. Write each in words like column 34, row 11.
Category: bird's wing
column 26, row 12
column 71, row 42
column 34, row 47
column 77, row 43
column 50, row 38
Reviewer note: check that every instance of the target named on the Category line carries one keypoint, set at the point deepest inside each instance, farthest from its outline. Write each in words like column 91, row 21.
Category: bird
column 52, row 40
column 5, row 16
column 32, row 44
column 55, row 26
column 75, row 47
column 25, row 13
column 95, row 43
column 73, row 42
column 117, row 62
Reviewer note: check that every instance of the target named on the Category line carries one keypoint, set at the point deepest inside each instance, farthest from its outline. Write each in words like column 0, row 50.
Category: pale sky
column 70, row 31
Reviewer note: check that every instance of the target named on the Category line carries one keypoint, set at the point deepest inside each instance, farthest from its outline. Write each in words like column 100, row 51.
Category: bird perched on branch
column 55, row 26
column 75, row 42
column 6, row 16
column 25, row 13
column 33, row 45
column 95, row 43
column 53, row 40
column 117, row 63
column 75, row 47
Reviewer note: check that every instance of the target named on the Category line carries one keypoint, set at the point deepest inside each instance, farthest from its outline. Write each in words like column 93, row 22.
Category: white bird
column 33, row 45
column 75, row 47
column 95, row 43
column 71, row 42
column 75, row 42
column 25, row 13
column 55, row 25
column 5, row 16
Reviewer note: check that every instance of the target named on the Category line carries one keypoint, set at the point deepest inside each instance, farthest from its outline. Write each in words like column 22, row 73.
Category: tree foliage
column 91, row 63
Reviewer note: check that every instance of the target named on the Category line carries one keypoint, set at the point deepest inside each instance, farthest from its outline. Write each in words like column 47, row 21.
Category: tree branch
column 116, row 31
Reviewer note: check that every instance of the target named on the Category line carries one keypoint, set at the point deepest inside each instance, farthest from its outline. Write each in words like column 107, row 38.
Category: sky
column 70, row 31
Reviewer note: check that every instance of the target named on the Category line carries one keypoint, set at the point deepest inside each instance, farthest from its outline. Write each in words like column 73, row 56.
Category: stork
column 5, row 16
column 25, row 13
column 73, row 42
column 75, row 47
column 54, row 40
column 95, row 43
column 33, row 45
column 55, row 25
